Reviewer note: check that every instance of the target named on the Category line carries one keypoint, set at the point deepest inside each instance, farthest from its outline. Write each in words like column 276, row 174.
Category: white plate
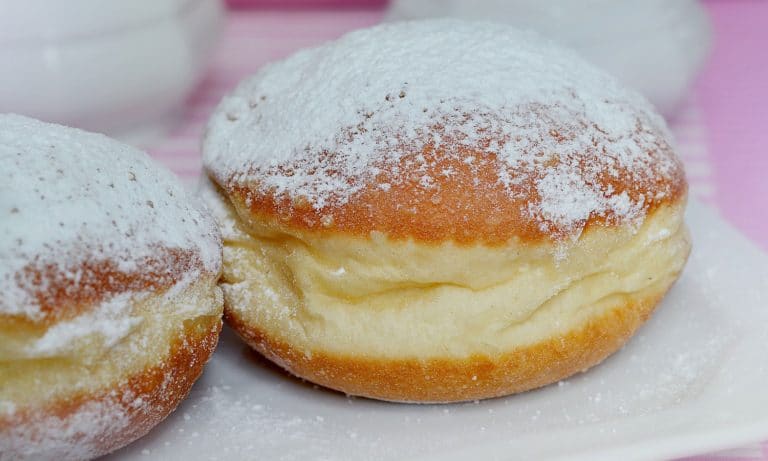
column 692, row 381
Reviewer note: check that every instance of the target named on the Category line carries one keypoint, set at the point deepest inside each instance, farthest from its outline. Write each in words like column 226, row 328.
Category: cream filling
column 396, row 299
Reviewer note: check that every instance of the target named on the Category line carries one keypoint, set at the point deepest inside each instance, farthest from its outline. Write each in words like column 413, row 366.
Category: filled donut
column 109, row 306
column 441, row 211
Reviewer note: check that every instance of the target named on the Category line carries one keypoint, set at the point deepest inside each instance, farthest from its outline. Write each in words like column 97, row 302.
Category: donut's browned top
column 441, row 130
column 467, row 201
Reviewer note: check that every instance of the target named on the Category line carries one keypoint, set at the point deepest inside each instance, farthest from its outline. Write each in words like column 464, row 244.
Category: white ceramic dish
column 692, row 381
column 122, row 68
column 654, row 46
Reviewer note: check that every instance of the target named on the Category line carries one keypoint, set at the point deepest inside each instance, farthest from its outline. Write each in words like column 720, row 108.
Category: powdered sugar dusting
column 109, row 321
column 355, row 114
column 74, row 204
column 79, row 435
column 566, row 197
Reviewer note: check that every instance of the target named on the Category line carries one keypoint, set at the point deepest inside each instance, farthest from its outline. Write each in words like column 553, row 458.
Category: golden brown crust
column 453, row 380
column 158, row 389
column 60, row 297
column 470, row 205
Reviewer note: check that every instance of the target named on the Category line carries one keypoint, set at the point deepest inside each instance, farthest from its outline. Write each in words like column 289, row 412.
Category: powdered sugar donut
column 440, row 211
column 109, row 305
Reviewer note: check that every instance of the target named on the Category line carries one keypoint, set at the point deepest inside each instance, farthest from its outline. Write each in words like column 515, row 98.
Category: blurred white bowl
column 119, row 67
column 655, row 46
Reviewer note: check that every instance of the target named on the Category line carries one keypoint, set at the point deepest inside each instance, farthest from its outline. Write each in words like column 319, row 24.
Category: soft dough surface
column 38, row 368
column 405, row 300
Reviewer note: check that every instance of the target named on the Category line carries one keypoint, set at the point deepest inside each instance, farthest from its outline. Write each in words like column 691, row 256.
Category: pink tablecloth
column 722, row 130
column 733, row 94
